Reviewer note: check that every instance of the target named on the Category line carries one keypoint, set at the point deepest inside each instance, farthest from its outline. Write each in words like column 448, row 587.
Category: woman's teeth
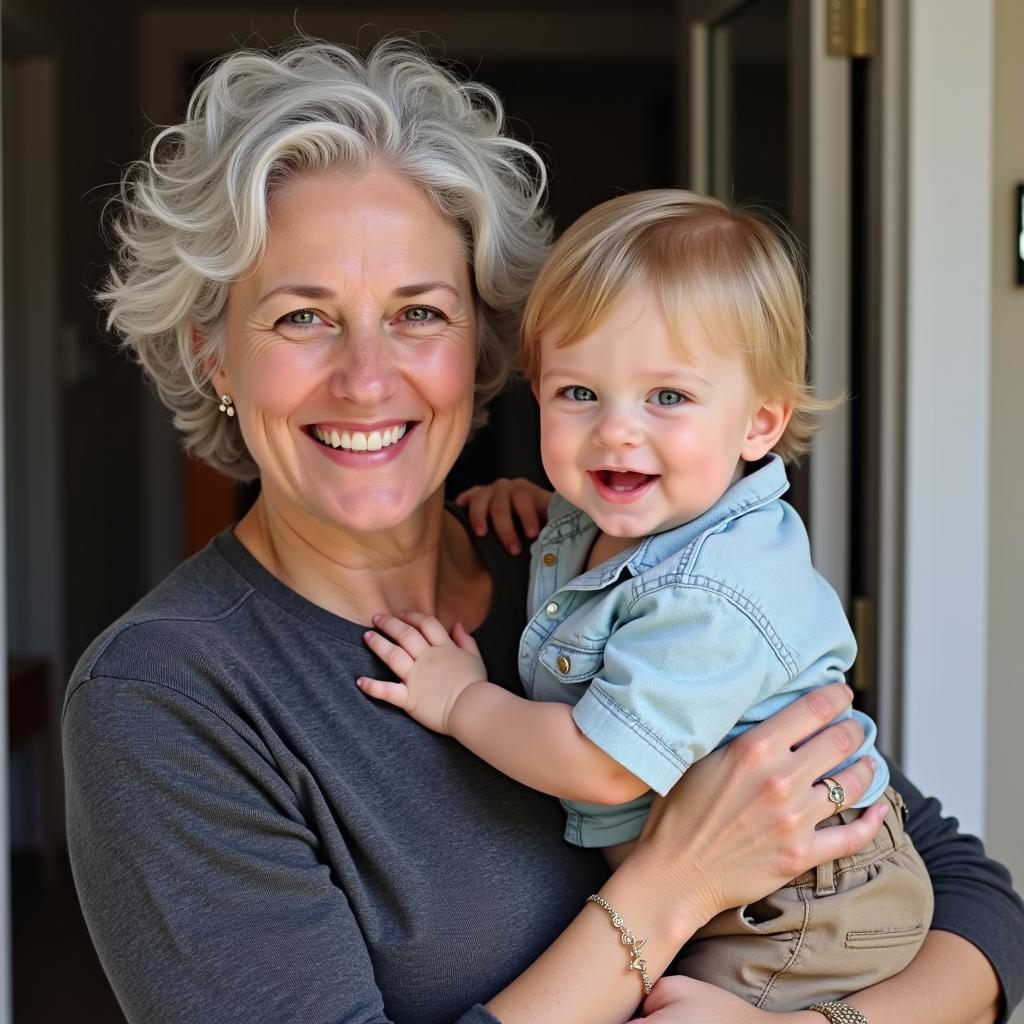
column 358, row 441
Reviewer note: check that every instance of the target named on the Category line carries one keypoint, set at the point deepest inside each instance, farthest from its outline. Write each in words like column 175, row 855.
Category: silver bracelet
column 636, row 946
column 840, row 1013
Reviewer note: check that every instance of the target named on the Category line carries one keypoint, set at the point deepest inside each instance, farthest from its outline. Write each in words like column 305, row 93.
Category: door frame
column 950, row 203
column 820, row 103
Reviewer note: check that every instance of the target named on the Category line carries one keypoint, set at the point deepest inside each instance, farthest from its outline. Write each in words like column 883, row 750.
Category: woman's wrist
column 670, row 908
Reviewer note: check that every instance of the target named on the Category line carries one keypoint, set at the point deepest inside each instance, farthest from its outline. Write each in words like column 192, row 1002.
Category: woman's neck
column 426, row 563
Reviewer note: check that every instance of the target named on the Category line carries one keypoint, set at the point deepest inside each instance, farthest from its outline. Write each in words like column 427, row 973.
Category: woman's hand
column 741, row 822
column 679, row 1000
column 498, row 501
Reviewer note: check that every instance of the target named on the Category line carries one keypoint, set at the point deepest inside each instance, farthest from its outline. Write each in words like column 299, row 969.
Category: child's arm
column 498, row 501
column 444, row 687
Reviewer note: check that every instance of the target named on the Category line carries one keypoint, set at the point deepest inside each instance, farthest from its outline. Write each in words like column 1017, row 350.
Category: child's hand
column 498, row 500
column 434, row 667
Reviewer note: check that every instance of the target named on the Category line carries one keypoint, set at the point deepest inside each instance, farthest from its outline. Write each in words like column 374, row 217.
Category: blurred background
column 886, row 133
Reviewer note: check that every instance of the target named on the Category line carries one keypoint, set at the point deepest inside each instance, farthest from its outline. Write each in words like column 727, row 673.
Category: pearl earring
column 226, row 406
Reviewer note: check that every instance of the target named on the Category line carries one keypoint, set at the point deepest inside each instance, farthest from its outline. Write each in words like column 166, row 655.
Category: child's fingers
column 430, row 627
column 390, row 693
column 522, row 502
column 463, row 498
column 407, row 636
column 464, row 640
column 501, row 520
column 479, row 506
column 391, row 654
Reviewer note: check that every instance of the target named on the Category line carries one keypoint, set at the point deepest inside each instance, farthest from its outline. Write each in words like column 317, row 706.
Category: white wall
column 949, row 251
column 1005, row 762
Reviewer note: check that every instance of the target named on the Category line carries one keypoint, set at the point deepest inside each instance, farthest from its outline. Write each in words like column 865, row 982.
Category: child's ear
column 767, row 425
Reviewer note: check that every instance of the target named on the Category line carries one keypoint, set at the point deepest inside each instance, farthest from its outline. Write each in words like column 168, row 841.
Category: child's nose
column 617, row 428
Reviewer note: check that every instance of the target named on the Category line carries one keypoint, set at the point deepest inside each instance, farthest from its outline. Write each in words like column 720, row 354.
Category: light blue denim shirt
column 678, row 645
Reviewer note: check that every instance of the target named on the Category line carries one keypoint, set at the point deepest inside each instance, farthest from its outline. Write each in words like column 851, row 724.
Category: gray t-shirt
column 254, row 840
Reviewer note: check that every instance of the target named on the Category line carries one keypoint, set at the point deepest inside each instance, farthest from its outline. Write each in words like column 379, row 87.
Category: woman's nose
column 363, row 372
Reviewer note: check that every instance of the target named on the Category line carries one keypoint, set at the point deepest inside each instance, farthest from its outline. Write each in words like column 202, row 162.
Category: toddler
column 673, row 603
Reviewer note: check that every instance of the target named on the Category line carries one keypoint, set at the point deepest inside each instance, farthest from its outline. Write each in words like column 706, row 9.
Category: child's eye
column 668, row 396
column 577, row 393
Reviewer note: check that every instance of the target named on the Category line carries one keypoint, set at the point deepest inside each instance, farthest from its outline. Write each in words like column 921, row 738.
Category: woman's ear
column 216, row 373
column 767, row 425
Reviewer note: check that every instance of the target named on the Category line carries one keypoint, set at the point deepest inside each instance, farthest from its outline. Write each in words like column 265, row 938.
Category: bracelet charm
column 839, row 1013
column 636, row 946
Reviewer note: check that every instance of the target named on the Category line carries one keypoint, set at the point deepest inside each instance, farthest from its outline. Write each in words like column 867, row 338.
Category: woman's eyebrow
column 407, row 291
column 303, row 291
column 316, row 291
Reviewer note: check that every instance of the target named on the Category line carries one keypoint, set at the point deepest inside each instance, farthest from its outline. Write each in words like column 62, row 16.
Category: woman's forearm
column 585, row 974
column 948, row 982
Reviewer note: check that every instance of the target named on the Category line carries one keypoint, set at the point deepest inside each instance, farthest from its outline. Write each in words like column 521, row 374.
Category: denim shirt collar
column 759, row 487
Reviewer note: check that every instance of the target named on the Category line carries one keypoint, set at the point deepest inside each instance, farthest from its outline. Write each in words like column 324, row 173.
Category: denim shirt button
column 552, row 608
column 550, row 558
column 563, row 664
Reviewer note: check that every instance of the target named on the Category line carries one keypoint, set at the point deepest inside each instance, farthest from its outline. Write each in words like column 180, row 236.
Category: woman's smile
column 354, row 439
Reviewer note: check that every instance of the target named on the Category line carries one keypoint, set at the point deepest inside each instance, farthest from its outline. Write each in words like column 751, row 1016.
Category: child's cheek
column 560, row 453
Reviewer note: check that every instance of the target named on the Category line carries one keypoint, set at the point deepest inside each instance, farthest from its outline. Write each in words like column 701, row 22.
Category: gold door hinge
column 862, row 676
column 851, row 28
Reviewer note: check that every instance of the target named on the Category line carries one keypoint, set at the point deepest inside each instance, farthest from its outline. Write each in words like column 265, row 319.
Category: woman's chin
column 375, row 509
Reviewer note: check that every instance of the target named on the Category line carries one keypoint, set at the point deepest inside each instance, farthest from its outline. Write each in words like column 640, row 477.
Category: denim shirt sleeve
column 677, row 677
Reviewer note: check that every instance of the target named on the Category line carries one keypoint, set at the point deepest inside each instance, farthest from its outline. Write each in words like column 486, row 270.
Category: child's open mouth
column 621, row 485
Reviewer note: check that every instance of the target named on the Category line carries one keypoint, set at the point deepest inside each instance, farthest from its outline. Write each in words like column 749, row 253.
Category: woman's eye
column 578, row 393
column 420, row 315
column 668, row 396
column 301, row 318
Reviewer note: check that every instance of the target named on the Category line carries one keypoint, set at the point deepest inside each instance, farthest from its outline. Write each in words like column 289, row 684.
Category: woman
column 322, row 270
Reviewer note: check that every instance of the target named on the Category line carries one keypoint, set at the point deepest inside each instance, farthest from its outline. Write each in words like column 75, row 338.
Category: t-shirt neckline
column 502, row 618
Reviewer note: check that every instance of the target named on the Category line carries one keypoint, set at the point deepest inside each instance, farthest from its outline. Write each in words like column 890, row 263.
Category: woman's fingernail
column 514, row 549
column 849, row 691
column 873, row 763
column 480, row 530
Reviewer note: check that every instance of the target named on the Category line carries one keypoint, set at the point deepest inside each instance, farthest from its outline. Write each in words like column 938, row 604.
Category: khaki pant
column 831, row 932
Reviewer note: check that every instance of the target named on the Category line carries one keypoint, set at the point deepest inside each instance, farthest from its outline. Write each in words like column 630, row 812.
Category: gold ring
column 836, row 793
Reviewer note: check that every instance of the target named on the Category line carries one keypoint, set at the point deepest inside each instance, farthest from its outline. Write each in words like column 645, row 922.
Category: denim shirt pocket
column 568, row 661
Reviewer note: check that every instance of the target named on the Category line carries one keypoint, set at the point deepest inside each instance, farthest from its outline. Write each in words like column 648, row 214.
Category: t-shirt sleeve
column 974, row 896
column 651, row 708
column 198, row 876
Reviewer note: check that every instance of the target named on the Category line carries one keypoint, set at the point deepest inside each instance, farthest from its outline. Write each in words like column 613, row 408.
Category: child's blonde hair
column 699, row 257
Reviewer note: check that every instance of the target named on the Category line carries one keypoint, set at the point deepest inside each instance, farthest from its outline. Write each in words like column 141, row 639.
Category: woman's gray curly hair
column 192, row 217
